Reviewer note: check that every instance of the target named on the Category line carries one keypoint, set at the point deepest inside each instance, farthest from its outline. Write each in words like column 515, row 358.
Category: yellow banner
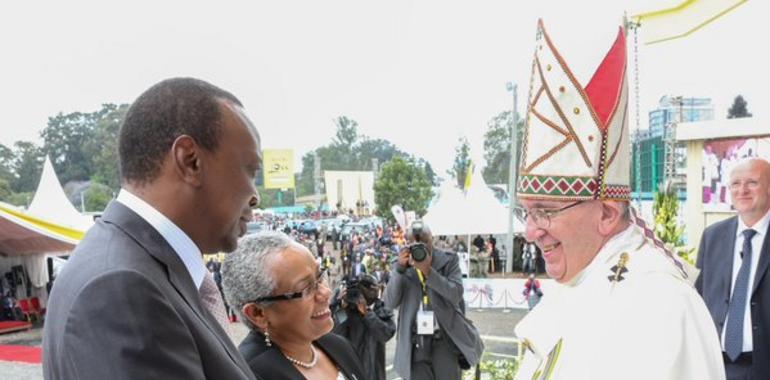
column 279, row 168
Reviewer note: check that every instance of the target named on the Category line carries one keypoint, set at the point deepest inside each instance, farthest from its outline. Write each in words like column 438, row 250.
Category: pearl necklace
column 312, row 363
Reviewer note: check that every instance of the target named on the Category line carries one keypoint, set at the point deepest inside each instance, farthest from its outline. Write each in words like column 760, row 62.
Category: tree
column 665, row 208
column 402, row 182
column 28, row 164
column 6, row 164
column 739, row 108
column 105, row 159
column 5, row 190
column 82, row 145
column 348, row 150
column 97, row 197
column 462, row 160
column 497, row 148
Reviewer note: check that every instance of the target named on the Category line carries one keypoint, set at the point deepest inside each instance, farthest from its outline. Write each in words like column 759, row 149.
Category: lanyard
column 425, row 300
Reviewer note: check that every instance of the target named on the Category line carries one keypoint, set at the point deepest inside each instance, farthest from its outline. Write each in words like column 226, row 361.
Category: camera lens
column 418, row 251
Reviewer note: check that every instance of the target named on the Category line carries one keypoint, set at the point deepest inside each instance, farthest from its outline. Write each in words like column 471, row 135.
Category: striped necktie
column 212, row 301
column 736, row 310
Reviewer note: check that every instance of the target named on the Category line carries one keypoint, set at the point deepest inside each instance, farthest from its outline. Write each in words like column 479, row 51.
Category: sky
column 421, row 74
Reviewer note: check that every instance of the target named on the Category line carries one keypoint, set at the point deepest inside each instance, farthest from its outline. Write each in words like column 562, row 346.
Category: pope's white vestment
column 640, row 320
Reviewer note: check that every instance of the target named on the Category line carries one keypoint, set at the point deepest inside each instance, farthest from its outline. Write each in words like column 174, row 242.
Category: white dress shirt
column 756, row 248
column 184, row 247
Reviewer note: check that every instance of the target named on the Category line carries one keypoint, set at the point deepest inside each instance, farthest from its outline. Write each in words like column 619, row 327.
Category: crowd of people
column 136, row 300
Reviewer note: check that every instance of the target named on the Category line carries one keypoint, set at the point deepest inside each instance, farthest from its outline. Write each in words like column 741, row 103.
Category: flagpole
column 512, row 174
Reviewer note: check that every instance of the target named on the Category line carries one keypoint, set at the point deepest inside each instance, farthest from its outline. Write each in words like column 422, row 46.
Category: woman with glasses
column 282, row 295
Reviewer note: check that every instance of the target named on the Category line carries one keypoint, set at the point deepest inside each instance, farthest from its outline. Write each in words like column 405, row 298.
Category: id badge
column 425, row 322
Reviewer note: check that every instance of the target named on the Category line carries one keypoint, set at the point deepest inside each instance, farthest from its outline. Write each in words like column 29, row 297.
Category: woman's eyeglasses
column 321, row 278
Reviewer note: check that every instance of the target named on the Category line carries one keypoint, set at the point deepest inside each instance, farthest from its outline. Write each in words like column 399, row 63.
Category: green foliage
column 271, row 198
column 6, row 164
column 665, row 209
column 97, row 197
column 5, row 190
column 459, row 169
column 84, row 145
column 494, row 370
column 402, row 182
column 739, row 108
column 497, row 147
column 349, row 151
column 28, row 164
column 20, row 199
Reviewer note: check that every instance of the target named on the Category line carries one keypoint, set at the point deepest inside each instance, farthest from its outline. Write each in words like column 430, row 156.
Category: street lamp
column 512, row 174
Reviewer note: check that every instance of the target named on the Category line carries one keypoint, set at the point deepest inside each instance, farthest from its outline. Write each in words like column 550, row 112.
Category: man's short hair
column 167, row 110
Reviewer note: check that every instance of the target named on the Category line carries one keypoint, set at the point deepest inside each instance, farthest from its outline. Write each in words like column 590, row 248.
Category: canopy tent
column 475, row 212
column 22, row 234
column 51, row 204
column 51, row 225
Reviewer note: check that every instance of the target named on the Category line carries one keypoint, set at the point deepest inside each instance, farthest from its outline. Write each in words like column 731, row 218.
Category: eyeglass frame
column 321, row 278
column 547, row 213
column 751, row 184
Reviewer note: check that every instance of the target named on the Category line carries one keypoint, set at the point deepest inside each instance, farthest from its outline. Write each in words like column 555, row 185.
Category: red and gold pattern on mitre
column 576, row 144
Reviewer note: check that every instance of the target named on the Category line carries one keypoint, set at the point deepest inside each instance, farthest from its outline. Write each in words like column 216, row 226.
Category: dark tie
column 736, row 310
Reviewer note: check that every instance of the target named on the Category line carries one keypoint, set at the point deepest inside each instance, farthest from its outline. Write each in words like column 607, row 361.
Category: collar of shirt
column 760, row 226
column 184, row 247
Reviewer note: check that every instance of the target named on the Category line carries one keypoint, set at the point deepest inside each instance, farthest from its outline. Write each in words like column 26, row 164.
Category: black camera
column 418, row 250
column 355, row 287
column 353, row 293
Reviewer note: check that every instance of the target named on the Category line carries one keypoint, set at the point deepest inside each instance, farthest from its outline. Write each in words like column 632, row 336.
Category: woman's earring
column 267, row 339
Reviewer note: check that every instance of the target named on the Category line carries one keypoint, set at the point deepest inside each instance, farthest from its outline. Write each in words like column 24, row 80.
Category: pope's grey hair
column 246, row 273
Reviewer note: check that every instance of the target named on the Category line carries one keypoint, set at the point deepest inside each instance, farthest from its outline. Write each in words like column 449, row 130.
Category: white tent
column 51, row 204
column 50, row 225
column 471, row 213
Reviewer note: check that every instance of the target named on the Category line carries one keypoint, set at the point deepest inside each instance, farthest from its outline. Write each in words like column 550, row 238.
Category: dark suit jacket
column 270, row 363
column 125, row 307
column 715, row 260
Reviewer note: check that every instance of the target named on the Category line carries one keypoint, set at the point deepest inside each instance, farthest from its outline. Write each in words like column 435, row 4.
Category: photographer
column 362, row 317
column 435, row 340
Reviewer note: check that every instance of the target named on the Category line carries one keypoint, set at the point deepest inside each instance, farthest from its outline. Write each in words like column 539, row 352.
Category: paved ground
column 495, row 326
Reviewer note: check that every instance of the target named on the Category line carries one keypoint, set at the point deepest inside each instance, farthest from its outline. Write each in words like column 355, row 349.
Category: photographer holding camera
column 361, row 317
column 435, row 340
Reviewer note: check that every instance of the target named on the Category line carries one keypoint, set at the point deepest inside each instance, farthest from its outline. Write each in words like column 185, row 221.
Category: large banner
column 719, row 158
column 279, row 168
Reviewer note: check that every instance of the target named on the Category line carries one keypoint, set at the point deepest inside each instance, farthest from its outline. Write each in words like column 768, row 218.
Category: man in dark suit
column 135, row 300
column 734, row 259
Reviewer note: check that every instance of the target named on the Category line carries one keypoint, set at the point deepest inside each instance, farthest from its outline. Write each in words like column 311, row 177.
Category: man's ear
column 186, row 156
column 611, row 217
column 256, row 314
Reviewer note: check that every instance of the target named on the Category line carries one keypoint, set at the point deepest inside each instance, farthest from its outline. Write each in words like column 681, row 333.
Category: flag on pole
column 468, row 176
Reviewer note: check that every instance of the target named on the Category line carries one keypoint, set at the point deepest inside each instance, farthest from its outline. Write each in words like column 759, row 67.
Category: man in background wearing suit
column 733, row 258
column 135, row 300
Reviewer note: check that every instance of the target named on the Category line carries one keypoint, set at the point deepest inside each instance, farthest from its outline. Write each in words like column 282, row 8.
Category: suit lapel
column 725, row 256
column 764, row 261
column 178, row 275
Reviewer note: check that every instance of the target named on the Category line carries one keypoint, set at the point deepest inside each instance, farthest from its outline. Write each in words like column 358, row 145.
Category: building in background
column 657, row 156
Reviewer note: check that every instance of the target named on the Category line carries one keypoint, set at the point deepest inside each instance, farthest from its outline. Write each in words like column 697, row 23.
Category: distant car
column 308, row 227
column 372, row 221
column 358, row 227
column 330, row 225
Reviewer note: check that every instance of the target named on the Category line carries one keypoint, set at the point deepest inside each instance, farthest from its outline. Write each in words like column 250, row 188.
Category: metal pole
column 512, row 174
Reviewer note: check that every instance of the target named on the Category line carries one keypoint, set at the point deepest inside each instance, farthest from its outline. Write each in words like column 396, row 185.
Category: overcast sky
column 419, row 73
